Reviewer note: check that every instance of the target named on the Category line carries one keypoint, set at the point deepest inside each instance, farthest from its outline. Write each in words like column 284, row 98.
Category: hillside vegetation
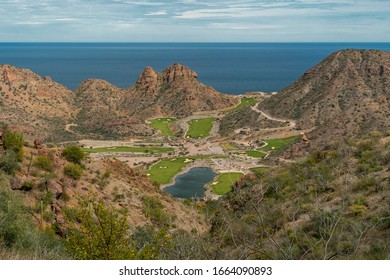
column 43, row 193
column 331, row 205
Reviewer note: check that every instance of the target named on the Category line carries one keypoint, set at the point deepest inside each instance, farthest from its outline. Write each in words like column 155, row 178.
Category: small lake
column 191, row 183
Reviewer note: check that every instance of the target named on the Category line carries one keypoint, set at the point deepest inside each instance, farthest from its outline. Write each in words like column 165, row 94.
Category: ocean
column 233, row 68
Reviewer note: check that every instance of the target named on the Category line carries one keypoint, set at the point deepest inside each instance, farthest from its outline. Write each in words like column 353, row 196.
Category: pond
column 191, row 184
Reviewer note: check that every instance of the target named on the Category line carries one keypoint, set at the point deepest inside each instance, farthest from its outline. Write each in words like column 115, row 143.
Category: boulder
column 37, row 144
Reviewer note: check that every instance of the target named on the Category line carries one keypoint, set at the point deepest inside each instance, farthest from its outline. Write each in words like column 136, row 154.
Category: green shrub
column 9, row 162
column 357, row 209
column 27, row 186
column 18, row 235
column 362, row 168
column 107, row 174
column 154, row 210
column 365, row 183
column 43, row 162
column 361, row 200
column 365, row 145
column 102, row 233
column 73, row 170
column 323, row 222
column 14, row 140
column 156, row 185
column 73, row 154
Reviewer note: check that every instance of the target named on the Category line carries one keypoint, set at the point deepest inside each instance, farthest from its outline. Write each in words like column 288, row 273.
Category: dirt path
column 67, row 127
column 292, row 123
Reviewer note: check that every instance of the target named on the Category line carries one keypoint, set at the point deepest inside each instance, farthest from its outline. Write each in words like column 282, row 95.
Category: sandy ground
column 203, row 148
column 87, row 143
column 137, row 161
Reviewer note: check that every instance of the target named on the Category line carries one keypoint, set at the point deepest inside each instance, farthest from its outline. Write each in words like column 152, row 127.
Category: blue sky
column 195, row 21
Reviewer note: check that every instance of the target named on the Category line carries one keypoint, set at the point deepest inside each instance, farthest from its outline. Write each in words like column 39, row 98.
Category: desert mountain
column 42, row 108
column 174, row 92
column 347, row 94
column 101, row 112
column 38, row 106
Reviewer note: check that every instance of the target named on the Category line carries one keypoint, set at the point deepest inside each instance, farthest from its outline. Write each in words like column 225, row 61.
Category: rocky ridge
column 41, row 107
column 346, row 95
column 38, row 106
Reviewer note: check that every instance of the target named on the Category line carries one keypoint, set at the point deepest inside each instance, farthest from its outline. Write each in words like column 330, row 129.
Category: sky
column 194, row 21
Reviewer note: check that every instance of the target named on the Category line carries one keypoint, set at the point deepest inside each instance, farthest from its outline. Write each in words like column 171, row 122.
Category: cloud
column 264, row 20
column 158, row 13
column 31, row 22
column 142, row 3
column 244, row 9
column 66, row 19
column 248, row 26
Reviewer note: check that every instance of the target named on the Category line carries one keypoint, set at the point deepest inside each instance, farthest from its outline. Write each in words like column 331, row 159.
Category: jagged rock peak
column 147, row 81
column 178, row 71
column 148, row 76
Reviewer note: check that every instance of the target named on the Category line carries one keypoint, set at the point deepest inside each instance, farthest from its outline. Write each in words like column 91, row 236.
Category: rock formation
column 174, row 92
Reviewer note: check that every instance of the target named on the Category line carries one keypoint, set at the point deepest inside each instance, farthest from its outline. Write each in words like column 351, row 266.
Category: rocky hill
column 347, row 94
column 38, row 106
column 42, row 108
column 174, row 92
column 101, row 113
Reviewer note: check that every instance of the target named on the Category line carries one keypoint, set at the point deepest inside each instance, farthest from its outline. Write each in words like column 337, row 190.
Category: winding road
column 67, row 127
column 292, row 123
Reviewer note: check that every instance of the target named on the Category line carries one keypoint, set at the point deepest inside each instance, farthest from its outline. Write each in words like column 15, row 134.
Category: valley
column 163, row 156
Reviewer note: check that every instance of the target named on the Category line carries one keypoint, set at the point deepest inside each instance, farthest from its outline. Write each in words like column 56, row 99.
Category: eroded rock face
column 177, row 71
column 147, row 81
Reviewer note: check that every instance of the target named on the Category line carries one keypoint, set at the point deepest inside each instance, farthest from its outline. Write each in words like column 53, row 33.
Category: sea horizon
column 229, row 67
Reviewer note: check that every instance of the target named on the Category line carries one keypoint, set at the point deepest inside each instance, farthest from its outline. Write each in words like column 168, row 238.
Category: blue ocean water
column 233, row 68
